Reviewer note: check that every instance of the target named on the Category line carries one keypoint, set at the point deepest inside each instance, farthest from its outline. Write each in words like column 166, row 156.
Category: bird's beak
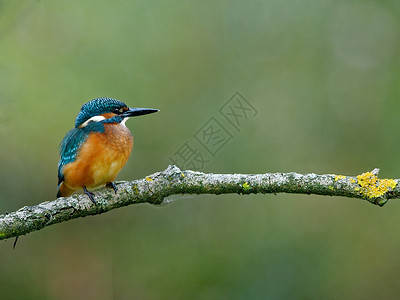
column 134, row 112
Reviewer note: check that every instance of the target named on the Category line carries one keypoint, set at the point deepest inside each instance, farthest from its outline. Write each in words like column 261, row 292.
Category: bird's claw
column 90, row 195
column 112, row 185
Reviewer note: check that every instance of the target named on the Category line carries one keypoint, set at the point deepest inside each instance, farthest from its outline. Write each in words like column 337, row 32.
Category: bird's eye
column 119, row 111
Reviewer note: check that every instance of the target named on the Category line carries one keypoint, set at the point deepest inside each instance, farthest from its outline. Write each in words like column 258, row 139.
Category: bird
column 96, row 149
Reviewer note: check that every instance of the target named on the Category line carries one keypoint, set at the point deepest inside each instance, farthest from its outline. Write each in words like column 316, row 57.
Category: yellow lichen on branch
column 338, row 177
column 246, row 186
column 372, row 187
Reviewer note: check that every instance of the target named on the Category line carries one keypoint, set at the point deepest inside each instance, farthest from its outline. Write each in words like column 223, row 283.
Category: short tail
column 64, row 191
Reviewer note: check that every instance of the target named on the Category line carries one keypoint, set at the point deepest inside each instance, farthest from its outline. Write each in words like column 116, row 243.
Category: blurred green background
column 324, row 78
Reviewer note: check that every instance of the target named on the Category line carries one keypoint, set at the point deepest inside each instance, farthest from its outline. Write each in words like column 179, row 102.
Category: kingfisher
column 95, row 150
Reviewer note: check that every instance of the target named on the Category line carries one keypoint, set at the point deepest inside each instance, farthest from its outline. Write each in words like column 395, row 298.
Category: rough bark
column 157, row 188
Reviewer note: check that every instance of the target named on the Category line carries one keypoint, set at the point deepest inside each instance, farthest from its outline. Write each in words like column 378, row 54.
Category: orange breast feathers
column 100, row 159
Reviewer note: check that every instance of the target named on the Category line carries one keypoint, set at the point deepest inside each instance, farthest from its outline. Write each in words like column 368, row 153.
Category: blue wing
column 69, row 148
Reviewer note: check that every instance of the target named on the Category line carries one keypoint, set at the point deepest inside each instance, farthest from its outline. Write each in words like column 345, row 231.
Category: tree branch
column 157, row 188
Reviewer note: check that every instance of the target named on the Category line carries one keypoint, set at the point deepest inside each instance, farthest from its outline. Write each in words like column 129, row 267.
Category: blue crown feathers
column 97, row 107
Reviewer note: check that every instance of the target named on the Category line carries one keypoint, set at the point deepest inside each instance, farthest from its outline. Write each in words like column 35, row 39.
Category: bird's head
column 108, row 110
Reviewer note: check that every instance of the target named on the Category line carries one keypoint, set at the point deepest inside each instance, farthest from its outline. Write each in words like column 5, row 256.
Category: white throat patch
column 123, row 121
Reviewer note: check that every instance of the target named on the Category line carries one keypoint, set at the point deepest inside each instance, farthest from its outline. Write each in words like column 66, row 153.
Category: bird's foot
column 90, row 195
column 112, row 185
